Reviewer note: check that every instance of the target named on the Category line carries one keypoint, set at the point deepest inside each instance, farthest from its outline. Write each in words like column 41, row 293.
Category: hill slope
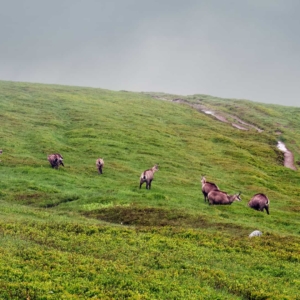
column 74, row 233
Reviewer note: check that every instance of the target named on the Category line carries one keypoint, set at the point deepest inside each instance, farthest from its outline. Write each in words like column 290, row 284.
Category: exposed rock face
column 255, row 233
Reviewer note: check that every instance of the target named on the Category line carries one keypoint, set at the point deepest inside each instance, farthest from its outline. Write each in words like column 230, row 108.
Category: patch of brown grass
column 158, row 217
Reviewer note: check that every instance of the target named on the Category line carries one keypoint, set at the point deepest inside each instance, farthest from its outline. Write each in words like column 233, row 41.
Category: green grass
column 73, row 234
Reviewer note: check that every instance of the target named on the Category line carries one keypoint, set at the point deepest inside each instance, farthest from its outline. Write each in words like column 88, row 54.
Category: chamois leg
column 100, row 170
column 267, row 209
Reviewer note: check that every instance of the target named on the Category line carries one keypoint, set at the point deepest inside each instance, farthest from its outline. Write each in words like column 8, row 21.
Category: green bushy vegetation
column 73, row 234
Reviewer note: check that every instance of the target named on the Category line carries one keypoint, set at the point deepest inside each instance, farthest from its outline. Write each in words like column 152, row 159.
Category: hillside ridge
column 74, row 233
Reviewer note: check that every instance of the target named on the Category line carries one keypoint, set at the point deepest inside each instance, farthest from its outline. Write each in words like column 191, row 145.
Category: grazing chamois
column 260, row 202
column 207, row 187
column 100, row 164
column 222, row 198
column 1, row 152
column 147, row 176
column 55, row 160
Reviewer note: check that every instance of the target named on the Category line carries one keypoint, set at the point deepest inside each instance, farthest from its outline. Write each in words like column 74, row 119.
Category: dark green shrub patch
column 41, row 258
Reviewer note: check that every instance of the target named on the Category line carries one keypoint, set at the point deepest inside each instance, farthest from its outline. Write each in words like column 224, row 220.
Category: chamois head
column 100, row 164
column 147, row 176
column 207, row 187
column 155, row 168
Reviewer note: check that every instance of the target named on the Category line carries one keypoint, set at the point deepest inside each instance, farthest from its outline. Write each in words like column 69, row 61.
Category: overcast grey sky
column 245, row 49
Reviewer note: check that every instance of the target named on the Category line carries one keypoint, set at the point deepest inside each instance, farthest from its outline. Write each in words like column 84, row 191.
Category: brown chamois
column 222, row 198
column 1, row 152
column 100, row 164
column 147, row 176
column 260, row 202
column 207, row 187
column 55, row 160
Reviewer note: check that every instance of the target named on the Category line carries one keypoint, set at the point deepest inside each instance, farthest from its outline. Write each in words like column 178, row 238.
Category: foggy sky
column 244, row 49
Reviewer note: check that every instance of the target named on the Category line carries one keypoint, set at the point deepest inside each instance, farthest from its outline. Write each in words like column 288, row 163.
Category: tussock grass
column 71, row 233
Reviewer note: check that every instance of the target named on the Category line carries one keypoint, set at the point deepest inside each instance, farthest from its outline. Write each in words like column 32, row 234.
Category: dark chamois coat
column 222, row 198
column 207, row 187
column 100, row 164
column 55, row 160
column 147, row 176
column 260, row 202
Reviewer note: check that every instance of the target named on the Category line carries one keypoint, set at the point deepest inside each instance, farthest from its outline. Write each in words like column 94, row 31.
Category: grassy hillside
column 73, row 234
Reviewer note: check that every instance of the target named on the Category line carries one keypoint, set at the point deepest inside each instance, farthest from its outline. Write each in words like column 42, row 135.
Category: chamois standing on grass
column 55, row 160
column 260, row 202
column 147, row 176
column 100, row 164
column 222, row 198
column 207, row 187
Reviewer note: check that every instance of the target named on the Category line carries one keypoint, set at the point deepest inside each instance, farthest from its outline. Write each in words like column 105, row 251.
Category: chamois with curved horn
column 100, row 164
column 207, row 187
column 147, row 176
column 260, row 202
column 55, row 160
column 222, row 198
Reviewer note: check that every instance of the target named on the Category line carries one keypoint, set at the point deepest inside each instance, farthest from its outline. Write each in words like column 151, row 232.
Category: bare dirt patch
column 238, row 126
column 143, row 216
column 29, row 199
column 289, row 160
column 158, row 217
column 288, row 156
column 219, row 116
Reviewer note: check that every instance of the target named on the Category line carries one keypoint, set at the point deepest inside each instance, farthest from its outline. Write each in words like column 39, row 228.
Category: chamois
column 1, row 152
column 147, row 176
column 260, row 202
column 100, row 164
column 222, row 198
column 55, row 160
column 207, row 187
